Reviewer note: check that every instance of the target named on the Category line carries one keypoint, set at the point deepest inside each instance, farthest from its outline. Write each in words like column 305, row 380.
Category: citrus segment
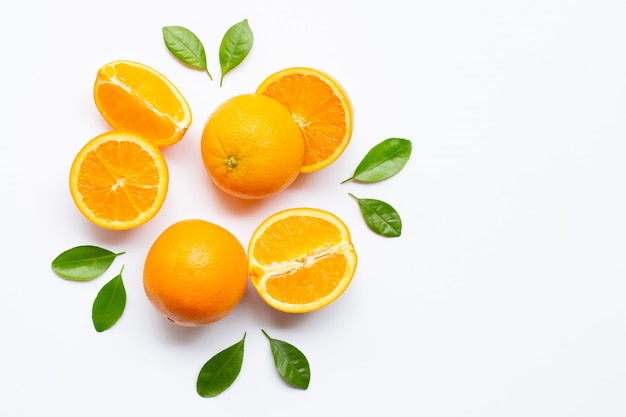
column 320, row 106
column 119, row 180
column 251, row 147
column 135, row 97
column 195, row 272
column 301, row 259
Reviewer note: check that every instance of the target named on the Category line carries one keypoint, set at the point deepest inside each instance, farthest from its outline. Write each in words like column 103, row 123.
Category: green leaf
column 236, row 44
column 185, row 46
column 109, row 304
column 219, row 372
column 384, row 160
column 83, row 263
column 380, row 217
column 290, row 362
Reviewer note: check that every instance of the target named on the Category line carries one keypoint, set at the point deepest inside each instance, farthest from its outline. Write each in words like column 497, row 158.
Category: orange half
column 137, row 98
column 301, row 259
column 119, row 180
column 320, row 106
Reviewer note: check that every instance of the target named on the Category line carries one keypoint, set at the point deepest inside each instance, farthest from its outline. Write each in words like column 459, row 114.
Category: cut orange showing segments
column 119, row 180
column 301, row 259
column 320, row 106
column 137, row 98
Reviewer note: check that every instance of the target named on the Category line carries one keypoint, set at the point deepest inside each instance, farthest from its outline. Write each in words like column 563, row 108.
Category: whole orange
column 195, row 272
column 252, row 147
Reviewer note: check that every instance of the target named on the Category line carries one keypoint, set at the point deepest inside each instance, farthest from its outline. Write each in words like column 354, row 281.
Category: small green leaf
column 380, row 217
column 185, row 46
column 236, row 44
column 384, row 160
column 109, row 304
column 290, row 362
column 83, row 263
column 219, row 372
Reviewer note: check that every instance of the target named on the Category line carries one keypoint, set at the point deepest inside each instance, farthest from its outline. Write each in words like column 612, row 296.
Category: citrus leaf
column 290, row 362
column 384, row 160
column 219, row 372
column 380, row 217
column 185, row 46
column 109, row 304
column 83, row 263
column 236, row 45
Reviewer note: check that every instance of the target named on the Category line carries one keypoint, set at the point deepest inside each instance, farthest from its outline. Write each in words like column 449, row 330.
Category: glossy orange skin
column 195, row 273
column 251, row 147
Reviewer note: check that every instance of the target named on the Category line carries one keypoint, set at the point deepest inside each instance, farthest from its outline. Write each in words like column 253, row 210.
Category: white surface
column 503, row 297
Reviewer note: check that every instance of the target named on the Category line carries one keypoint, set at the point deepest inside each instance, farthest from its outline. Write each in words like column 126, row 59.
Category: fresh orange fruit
column 251, row 147
column 301, row 259
column 195, row 272
column 135, row 97
column 119, row 180
column 320, row 106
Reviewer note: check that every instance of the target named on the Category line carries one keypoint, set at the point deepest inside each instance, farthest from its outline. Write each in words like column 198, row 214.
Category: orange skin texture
column 251, row 147
column 195, row 273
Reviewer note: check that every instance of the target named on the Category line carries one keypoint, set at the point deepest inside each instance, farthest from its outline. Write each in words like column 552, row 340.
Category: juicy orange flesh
column 122, row 191
column 317, row 110
column 303, row 267
column 139, row 101
column 280, row 243
column 147, row 85
column 133, row 116
column 309, row 284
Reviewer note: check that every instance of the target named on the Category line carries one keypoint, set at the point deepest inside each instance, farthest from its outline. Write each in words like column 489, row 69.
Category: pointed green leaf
column 290, row 362
column 219, row 372
column 380, row 217
column 109, row 304
column 185, row 46
column 384, row 160
column 236, row 44
column 83, row 263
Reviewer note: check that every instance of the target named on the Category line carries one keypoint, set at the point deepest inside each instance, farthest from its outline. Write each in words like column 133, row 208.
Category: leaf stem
column 353, row 196
column 344, row 181
column 207, row 71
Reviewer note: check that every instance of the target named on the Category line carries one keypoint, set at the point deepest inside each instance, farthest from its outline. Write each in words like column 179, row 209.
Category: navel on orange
column 135, row 97
column 301, row 259
column 320, row 106
column 195, row 272
column 119, row 180
column 251, row 147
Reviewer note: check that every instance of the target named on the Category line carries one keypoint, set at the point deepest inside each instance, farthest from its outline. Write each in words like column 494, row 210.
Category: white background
column 503, row 297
